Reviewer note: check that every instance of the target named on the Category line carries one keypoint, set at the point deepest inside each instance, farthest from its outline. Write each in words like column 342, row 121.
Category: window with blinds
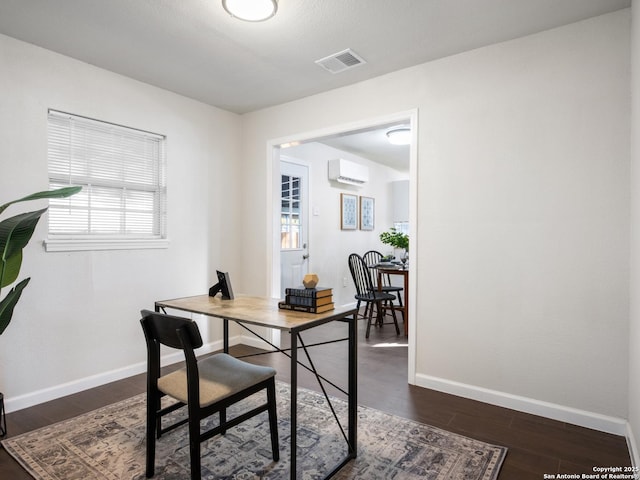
column 122, row 173
column 290, row 212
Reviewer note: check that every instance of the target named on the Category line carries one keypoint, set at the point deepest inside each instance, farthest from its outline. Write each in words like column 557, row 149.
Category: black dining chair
column 205, row 387
column 372, row 258
column 365, row 292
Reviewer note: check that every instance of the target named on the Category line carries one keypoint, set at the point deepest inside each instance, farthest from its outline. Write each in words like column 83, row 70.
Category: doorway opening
column 324, row 206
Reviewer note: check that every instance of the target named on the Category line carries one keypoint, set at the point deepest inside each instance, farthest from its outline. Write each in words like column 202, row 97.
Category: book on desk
column 311, row 300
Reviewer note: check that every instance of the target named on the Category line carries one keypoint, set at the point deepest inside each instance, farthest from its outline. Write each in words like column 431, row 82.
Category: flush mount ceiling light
column 399, row 135
column 251, row 10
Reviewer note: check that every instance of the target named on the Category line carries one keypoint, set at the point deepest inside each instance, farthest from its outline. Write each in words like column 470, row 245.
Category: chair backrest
column 361, row 274
column 372, row 258
column 175, row 332
column 164, row 329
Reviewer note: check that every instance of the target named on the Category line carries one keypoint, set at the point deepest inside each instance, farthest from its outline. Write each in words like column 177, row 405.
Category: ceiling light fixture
column 399, row 135
column 251, row 10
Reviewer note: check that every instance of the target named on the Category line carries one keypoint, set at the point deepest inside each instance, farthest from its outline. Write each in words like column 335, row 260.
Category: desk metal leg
column 294, row 405
column 353, row 386
column 225, row 346
column 351, row 392
column 225, row 335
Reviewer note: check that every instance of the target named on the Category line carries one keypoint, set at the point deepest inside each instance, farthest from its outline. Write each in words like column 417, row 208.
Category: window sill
column 76, row 245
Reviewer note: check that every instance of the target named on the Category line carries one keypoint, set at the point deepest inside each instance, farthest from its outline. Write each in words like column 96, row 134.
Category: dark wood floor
column 536, row 445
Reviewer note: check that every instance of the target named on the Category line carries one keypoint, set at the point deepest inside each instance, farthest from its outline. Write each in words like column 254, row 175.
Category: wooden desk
column 405, row 274
column 264, row 312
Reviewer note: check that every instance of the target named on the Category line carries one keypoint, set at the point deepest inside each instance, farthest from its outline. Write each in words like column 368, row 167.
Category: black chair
column 366, row 293
column 373, row 258
column 205, row 386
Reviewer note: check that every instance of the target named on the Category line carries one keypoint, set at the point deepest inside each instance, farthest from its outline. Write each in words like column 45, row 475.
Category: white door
column 294, row 231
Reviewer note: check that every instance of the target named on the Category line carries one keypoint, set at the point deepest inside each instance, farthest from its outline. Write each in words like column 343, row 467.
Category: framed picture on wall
column 348, row 211
column 367, row 213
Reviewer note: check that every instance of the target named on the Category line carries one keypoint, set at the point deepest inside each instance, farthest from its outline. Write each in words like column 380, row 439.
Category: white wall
column 329, row 245
column 530, row 225
column 634, row 332
column 523, row 213
column 79, row 316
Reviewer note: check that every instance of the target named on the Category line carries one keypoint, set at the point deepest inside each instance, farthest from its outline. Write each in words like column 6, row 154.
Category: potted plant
column 396, row 239
column 15, row 233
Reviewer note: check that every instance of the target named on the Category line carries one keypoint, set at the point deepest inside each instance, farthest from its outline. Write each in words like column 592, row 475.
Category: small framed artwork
column 367, row 213
column 348, row 211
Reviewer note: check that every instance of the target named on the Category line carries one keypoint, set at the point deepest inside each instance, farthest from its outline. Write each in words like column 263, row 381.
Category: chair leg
column 223, row 421
column 364, row 315
column 395, row 319
column 194, row 446
column 401, row 306
column 369, row 319
column 380, row 313
column 152, row 408
column 366, row 307
column 273, row 420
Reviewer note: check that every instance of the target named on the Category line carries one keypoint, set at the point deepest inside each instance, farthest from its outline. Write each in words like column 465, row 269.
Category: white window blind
column 122, row 173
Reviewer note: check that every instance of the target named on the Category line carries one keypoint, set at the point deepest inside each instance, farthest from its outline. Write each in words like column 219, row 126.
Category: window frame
column 291, row 217
column 119, row 240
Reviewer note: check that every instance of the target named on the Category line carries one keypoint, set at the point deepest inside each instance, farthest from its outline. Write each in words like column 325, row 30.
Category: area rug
column 109, row 443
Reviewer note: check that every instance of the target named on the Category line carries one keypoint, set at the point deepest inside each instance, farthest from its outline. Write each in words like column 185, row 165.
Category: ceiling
column 373, row 145
column 194, row 48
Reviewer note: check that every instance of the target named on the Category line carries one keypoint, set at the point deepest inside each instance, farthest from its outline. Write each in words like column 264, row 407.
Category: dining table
column 403, row 270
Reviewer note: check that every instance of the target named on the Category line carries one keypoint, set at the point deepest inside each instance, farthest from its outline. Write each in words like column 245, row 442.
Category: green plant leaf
column 395, row 238
column 15, row 233
column 9, row 274
column 8, row 303
column 58, row 193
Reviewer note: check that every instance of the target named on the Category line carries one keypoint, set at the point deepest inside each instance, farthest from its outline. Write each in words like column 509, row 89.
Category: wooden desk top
column 261, row 311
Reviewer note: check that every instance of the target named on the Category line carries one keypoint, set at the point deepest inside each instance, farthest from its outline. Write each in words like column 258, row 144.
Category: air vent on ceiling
column 341, row 61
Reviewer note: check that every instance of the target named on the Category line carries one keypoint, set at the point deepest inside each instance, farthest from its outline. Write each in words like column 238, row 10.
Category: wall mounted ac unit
column 344, row 171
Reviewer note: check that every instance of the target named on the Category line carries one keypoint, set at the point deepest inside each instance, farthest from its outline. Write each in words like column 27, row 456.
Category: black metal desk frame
column 349, row 316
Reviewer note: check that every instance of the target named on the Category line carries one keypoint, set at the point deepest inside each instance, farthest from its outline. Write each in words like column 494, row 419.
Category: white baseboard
column 583, row 418
column 40, row 396
column 30, row 399
column 633, row 447
column 253, row 341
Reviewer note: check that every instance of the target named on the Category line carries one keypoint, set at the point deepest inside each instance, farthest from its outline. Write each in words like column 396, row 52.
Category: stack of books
column 311, row 300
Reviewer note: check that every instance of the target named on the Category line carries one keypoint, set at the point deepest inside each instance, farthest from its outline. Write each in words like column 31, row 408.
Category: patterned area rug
column 109, row 444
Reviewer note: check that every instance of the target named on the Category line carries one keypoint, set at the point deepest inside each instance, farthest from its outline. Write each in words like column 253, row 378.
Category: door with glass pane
column 294, row 249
